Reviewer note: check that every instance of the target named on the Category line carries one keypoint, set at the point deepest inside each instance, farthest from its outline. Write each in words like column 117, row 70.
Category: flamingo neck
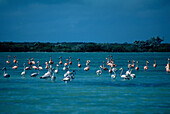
column 114, row 72
column 121, row 72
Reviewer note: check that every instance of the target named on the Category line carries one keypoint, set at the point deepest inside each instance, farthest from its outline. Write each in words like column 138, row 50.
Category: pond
column 87, row 93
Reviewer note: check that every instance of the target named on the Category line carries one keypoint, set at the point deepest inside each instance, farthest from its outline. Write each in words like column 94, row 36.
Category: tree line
column 151, row 45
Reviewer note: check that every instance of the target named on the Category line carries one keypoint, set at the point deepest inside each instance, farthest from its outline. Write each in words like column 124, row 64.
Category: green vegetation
column 151, row 45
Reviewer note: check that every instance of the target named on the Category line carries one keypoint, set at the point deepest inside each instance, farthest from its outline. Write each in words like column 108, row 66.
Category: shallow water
column 149, row 92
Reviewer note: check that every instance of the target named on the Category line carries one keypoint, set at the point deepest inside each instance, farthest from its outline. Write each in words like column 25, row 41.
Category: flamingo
column 112, row 64
column 66, row 79
column 128, row 72
column 123, row 76
column 99, row 72
column 69, row 73
column 136, row 68
column 53, row 76
column 129, row 65
column 65, row 64
column 79, row 65
column 133, row 65
column 47, row 74
column 39, row 66
column 146, row 67
column 87, row 64
column 86, row 68
column 29, row 61
column 56, row 70
column 109, row 62
column 113, row 76
column 68, row 76
column 32, row 61
column 28, row 68
column 132, row 75
column 46, row 67
column 60, row 60
column 104, row 68
column 168, row 66
column 35, row 74
column 51, row 62
column 15, row 60
column 35, row 67
column 66, row 68
column 16, row 66
column 6, row 75
column 8, row 61
column 23, row 73
column 70, row 61
column 46, row 63
column 155, row 65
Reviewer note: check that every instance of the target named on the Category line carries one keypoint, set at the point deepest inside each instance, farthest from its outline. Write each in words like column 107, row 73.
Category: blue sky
column 107, row 21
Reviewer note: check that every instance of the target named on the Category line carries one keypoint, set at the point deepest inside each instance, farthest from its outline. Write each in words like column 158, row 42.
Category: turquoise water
column 149, row 92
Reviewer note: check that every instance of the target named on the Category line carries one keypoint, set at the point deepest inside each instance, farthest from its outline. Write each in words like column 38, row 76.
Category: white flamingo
column 47, row 75
column 23, row 72
column 123, row 76
column 113, row 76
column 35, row 74
column 132, row 75
column 66, row 68
column 67, row 73
column 128, row 72
column 53, row 76
column 66, row 79
column 68, row 76
column 56, row 70
column 99, row 72
column 6, row 75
